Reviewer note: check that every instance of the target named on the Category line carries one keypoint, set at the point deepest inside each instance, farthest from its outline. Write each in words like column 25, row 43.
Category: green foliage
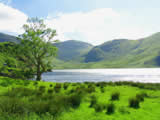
column 110, row 108
column 71, row 49
column 99, row 107
column 93, row 101
column 134, row 103
column 23, row 99
column 74, row 100
column 115, row 96
column 12, row 106
column 35, row 46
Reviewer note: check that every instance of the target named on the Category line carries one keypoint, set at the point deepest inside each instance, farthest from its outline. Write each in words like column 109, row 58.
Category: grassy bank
column 31, row 100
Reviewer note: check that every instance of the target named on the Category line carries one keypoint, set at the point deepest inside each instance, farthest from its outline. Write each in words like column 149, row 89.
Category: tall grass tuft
column 115, row 96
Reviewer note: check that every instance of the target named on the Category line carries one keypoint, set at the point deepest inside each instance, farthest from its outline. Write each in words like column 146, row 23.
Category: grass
column 31, row 100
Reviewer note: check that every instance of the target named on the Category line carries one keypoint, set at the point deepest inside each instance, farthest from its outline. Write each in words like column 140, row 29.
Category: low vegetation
column 28, row 100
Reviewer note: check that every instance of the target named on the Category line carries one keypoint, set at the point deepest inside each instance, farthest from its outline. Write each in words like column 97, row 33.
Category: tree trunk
column 38, row 73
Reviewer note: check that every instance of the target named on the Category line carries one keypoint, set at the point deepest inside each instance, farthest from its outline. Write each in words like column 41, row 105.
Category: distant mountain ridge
column 71, row 49
column 119, row 53
column 7, row 38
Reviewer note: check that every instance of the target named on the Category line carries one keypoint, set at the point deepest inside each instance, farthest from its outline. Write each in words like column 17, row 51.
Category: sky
column 93, row 21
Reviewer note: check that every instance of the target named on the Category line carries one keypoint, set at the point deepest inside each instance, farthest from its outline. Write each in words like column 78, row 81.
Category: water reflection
column 97, row 75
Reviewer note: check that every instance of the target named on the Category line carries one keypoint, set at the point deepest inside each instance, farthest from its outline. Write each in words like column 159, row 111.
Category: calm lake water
column 145, row 75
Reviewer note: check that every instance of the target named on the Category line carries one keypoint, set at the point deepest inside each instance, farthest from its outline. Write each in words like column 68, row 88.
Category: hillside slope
column 7, row 38
column 68, row 50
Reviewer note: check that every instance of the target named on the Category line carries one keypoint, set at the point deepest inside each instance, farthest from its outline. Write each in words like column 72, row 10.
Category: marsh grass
column 115, row 96
column 40, row 100
column 110, row 108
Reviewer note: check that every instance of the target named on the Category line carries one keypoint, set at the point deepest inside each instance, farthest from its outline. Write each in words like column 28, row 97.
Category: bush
column 56, row 110
column 50, row 91
column 90, row 89
column 35, row 83
column 134, row 103
column 12, row 106
column 93, row 101
column 71, row 91
column 20, row 92
column 26, row 83
column 39, row 93
column 141, row 96
column 115, row 96
column 57, row 88
column 110, row 108
column 98, row 107
column 39, row 107
column 74, row 100
column 102, row 89
column 65, row 86
column 50, row 85
column 42, row 88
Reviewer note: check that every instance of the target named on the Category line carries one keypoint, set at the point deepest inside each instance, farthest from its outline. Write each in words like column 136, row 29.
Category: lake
column 145, row 75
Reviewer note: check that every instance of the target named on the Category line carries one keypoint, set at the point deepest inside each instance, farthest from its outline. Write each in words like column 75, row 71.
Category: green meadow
column 32, row 100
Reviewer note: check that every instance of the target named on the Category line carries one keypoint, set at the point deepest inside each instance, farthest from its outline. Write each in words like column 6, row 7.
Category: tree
column 36, row 48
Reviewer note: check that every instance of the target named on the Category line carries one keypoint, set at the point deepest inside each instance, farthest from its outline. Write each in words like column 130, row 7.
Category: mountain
column 126, row 53
column 119, row 53
column 7, row 38
column 71, row 49
column 111, row 50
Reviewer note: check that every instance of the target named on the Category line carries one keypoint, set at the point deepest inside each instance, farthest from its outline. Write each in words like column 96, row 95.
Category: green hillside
column 71, row 49
column 111, row 50
column 119, row 53
column 7, row 38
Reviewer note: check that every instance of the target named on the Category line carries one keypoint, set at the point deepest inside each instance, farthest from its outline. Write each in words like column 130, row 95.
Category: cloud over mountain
column 97, row 26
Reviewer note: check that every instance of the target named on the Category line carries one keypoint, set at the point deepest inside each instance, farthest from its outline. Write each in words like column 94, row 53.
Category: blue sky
column 43, row 7
column 94, row 21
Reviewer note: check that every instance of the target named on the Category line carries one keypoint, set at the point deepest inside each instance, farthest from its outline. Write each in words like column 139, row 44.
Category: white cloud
column 97, row 26
column 11, row 19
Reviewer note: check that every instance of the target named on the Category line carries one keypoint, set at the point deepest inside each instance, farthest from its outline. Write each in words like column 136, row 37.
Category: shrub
column 141, row 96
column 65, row 86
column 102, row 89
column 12, row 106
column 98, row 107
column 71, row 91
column 110, row 108
column 39, row 107
column 56, row 110
column 50, row 91
column 4, row 84
column 90, row 89
column 20, row 92
column 79, row 90
column 39, row 93
column 134, row 103
column 57, row 88
column 35, row 83
column 42, row 88
column 26, row 83
column 74, row 100
column 50, row 85
column 115, row 96
column 58, row 85
column 93, row 101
